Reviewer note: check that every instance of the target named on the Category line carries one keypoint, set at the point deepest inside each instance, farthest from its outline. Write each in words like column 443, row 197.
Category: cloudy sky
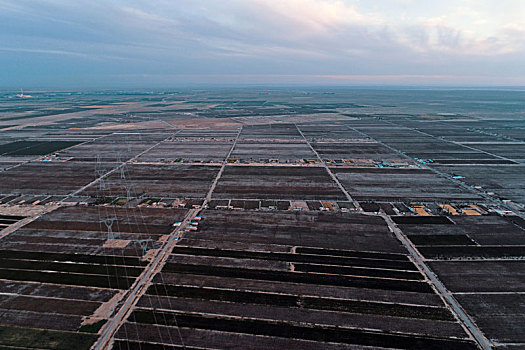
column 162, row 43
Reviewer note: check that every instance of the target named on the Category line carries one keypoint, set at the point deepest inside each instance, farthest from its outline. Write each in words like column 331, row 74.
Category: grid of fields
column 114, row 147
column 404, row 185
column 45, row 178
column 61, row 275
column 152, row 180
column 277, row 182
column 188, row 150
column 262, row 219
column 356, row 150
column 479, row 259
column 299, row 281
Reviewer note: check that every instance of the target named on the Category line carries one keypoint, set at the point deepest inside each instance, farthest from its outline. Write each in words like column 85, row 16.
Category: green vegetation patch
column 119, row 201
column 93, row 327
column 44, row 339
column 150, row 201
column 104, row 200
column 34, row 148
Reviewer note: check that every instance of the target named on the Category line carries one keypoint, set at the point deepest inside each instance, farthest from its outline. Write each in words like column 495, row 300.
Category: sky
column 171, row 43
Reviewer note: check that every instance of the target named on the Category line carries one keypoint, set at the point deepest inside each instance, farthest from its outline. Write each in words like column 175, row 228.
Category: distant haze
column 162, row 43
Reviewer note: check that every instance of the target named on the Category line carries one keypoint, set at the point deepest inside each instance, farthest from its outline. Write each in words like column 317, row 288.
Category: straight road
column 142, row 283
column 334, row 178
column 439, row 287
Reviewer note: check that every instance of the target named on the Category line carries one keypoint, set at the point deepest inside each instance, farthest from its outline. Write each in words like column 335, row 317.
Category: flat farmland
column 276, row 182
column 149, row 180
column 207, row 133
column 326, row 230
column 329, row 131
column 307, row 281
column 512, row 150
column 505, row 181
column 60, row 275
column 83, row 230
column 336, row 219
column 157, row 221
column 114, row 147
column 491, row 311
column 439, row 150
column 403, row 185
column 453, row 155
column 58, row 178
column 4, row 165
column 274, row 150
column 486, row 237
column 189, row 150
column 281, row 131
column 430, row 145
column 389, row 133
column 482, row 276
column 513, row 133
column 24, row 148
column 356, row 150
column 480, row 260
column 458, row 133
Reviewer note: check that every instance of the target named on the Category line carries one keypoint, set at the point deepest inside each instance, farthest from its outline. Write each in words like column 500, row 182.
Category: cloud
column 311, row 17
column 42, row 51
column 312, row 37
column 462, row 31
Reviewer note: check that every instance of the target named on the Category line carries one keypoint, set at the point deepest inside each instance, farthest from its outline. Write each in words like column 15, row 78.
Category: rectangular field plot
column 302, row 280
column 512, row 150
column 84, row 230
column 399, row 185
column 483, row 237
column 153, row 221
column 516, row 133
column 276, row 182
column 187, row 150
column 277, row 131
column 456, row 133
column 389, row 133
column 207, row 133
column 442, row 157
column 457, row 158
column 26, row 148
column 328, row 131
column 114, row 147
column 47, row 178
column 420, row 145
column 323, row 230
column 272, row 151
column 505, row 181
column 24, row 337
column 500, row 316
column 148, row 180
column 430, row 146
column 481, row 276
column 357, row 150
